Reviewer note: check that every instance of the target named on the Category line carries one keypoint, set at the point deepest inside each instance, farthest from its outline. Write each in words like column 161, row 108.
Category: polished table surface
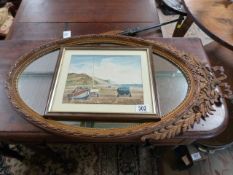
column 214, row 17
column 43, row 19
column 14, row 128
column 222, row 56
column 87, row 11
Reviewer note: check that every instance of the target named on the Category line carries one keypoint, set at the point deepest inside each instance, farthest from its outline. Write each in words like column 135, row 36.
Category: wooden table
column 13, row 128
column 214, row 17
column 219, row 55
column 43, row 19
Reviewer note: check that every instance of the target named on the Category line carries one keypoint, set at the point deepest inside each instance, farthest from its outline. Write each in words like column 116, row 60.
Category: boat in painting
column 79, row 93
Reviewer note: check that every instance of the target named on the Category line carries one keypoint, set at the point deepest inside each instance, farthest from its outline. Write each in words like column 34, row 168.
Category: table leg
column 182, row 26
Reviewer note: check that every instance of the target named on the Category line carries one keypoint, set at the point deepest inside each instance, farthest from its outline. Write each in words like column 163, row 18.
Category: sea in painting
column 104, row 79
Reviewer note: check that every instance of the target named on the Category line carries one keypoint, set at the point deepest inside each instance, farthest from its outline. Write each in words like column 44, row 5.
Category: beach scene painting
column 104, row 79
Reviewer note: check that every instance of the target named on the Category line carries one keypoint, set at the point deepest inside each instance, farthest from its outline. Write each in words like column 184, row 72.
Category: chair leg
column 182, row 27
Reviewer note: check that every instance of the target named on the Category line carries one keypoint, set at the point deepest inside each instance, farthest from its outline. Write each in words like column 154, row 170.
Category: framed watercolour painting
column 112, row 84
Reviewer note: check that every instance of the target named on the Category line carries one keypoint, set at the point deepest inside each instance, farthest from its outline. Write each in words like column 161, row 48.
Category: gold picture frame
column 103, row 83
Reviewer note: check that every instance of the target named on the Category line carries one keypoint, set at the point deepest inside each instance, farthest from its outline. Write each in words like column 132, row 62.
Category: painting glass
column 103, row 81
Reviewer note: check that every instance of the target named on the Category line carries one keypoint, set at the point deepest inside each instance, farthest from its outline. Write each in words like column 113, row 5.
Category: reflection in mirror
column 35, row 81
column 171, row 84
column 34, row 85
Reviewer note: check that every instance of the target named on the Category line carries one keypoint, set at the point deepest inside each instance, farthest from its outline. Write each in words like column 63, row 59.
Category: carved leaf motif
column 207, row 98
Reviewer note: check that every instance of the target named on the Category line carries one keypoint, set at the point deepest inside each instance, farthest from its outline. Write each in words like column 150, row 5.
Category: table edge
column 215, row 37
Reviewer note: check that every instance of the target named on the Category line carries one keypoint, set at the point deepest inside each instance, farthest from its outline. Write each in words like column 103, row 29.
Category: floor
column 81, row 159
column 217, row 163
column 194, row 30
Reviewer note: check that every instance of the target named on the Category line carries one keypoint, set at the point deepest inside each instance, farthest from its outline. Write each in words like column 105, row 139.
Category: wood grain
column 214, row 17
column 87, row 11
column 45, row 31
column 43, row 19
column 221, row 56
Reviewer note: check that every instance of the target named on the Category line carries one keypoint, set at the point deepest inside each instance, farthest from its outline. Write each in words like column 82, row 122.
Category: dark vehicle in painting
column 123, row 90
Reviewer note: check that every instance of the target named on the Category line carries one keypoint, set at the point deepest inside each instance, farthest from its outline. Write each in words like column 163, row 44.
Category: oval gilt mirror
column 185, row 88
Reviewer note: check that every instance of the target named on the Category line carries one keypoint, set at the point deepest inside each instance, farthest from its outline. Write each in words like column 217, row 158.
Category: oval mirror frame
column 198, row 103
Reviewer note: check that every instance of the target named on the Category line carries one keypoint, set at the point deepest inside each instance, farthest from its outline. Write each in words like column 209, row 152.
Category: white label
column 186, row 160
column 142, row 108
column 67, row 34
column 196, row 156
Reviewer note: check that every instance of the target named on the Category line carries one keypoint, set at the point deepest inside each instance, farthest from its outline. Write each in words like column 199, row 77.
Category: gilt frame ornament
column 198, row 103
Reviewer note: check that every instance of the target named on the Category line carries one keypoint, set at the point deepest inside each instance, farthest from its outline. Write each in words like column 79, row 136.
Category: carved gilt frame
column 198, row 103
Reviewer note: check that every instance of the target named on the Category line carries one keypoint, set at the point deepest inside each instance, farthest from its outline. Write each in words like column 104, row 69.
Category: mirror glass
column 34, row 85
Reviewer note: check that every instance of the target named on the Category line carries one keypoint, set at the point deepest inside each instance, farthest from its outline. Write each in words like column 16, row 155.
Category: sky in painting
column 123, row 69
